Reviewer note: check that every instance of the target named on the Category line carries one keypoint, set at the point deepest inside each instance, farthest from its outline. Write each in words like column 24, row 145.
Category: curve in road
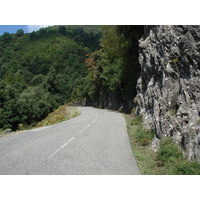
column 96, row 142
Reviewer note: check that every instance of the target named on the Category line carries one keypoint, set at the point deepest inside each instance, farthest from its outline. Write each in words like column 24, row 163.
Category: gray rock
column 169, row 85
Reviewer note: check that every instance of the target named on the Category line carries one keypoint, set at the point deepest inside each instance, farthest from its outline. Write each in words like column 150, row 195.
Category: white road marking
column 95, row 118
column 61, row 148
column 90, row 124
column 85, row 128
column 73, row 137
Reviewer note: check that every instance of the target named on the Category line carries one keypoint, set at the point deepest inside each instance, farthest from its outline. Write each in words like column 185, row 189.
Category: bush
column 144, row 137
column 168, row 152
column 171, row 157
column 187, row 168
column 34, row 104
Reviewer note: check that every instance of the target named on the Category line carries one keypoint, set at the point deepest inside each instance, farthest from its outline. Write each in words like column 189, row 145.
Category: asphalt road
column 96, row 142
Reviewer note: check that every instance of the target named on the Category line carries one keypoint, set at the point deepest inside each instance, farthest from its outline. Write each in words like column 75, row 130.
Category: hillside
column 41, row 70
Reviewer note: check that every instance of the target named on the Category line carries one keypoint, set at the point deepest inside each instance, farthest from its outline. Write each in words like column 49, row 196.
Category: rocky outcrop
column 169, row 86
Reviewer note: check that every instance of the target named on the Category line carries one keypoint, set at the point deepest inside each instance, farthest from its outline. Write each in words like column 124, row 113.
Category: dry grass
column 61, row 114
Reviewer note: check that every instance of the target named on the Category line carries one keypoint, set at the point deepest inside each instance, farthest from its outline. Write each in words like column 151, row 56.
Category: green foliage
column 137, row 120
column 41, row 70
column 171, row 157
column 6, row 37
column 8, row 108
column 145, row 157
column 112, row 42
column 42, row 32
column 62, row 30
column 34, row 103
column 19, row 32
column 186, row 168
column 114, row 69
column 168, row 152
column 49, row 67
column 32, row 35
column 168, row 160
column 103, row 75
column 111, row 76
column 144, row 137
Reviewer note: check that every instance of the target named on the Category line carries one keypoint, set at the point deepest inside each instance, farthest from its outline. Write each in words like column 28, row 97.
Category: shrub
column 144, row 137
column 168, row 152
column 187, row 168
column 137, row 120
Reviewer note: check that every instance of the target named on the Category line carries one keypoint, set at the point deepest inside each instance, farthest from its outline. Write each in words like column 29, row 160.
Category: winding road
column 94, row 143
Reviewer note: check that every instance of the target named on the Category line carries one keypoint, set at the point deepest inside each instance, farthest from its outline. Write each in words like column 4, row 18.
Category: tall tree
column 6, row 37
column 62, row 30
column 19, row 32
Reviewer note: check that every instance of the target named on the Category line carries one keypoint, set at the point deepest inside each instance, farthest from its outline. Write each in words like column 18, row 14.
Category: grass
column 143, row 137
column 145, row 157
column 3, row 132
column 136, row 120
column 61, row 114
column 168, row 152
column 169, row 159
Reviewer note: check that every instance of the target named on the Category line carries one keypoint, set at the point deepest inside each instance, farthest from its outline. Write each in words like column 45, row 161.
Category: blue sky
column 14, row 28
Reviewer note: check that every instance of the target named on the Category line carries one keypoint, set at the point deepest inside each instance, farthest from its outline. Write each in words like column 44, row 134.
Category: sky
column 14, row 28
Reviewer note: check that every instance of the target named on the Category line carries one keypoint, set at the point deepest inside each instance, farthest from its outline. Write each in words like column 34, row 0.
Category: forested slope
column 91, row 65
column 41, row 70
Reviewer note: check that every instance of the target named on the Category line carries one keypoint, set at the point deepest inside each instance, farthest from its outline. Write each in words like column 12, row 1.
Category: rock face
column 169, row 86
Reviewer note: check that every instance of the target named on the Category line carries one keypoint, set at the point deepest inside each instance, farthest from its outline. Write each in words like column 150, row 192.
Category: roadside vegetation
column 168, row 160
column 61, row 114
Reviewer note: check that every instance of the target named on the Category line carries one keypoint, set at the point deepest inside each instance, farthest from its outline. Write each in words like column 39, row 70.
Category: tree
column 104, row 74
column 8, row 107
column 112, row 42
column 121, row 42
column 20, row 32
column 34, row 104
column 33, row 35
column 42, row 32
column 6, row 37
column 62, row 30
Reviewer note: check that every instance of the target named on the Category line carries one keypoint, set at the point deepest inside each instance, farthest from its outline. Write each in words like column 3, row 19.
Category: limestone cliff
column 169, row 85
